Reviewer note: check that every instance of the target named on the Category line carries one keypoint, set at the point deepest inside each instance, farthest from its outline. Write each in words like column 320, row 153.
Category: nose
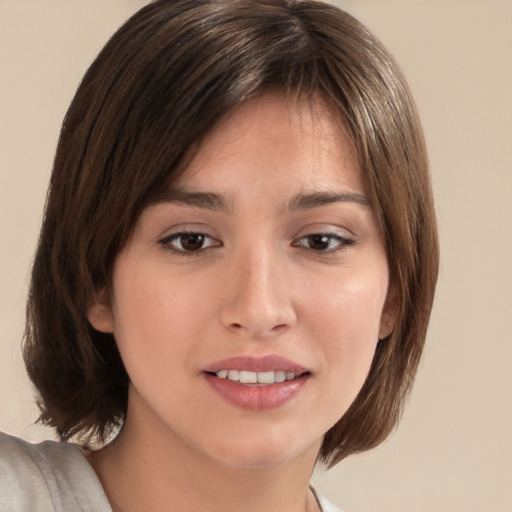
column 258, row 301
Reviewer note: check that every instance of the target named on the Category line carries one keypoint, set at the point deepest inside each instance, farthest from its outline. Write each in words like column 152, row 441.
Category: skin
column 260, row 284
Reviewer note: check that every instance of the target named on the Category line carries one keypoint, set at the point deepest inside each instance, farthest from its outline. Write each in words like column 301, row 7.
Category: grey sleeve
column 47, row 477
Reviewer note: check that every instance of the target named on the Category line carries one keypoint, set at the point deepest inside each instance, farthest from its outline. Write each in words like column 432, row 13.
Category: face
column 248, row 303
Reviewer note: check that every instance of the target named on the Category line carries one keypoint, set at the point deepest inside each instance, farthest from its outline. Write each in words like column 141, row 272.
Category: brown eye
column 191, row 241
column 318, row 242
column 324, row 242
column 187, row 242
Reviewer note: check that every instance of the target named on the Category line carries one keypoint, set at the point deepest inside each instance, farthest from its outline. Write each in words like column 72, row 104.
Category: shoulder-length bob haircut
column 165, row 79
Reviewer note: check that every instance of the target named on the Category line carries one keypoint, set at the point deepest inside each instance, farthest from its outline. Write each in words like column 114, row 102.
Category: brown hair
column 162, row 82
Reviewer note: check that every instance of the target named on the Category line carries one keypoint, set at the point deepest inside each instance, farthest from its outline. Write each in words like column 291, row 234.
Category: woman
column 236, row 266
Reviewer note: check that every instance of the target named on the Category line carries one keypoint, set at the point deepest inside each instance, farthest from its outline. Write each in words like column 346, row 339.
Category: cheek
column 150, row 315
column 346, row 325
column 350, row 306
column 155, row 342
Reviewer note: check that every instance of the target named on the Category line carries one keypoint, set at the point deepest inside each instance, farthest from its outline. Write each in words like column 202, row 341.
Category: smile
column 258, row 378
column 257, row 383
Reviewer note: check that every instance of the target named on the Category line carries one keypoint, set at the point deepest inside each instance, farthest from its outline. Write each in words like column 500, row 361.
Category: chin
column 265, row 453
column 255, row 461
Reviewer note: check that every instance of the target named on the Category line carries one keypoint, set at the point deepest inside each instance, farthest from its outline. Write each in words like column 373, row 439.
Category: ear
column 389, row 313
column 99, row 313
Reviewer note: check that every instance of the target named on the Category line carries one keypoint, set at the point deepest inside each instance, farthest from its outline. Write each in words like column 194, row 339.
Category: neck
column 157, row 471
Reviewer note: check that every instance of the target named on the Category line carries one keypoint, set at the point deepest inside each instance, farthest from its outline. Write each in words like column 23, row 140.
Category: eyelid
column 342, row 242
column 187, row 227
column 166, row 241
column 344, row 236
column 326, row 228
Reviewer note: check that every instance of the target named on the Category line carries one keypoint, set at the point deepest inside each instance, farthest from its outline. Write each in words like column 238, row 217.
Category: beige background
column 453, row 450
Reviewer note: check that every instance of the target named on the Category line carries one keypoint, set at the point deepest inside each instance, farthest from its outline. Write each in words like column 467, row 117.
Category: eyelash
column 341, row 242
column 168, row 241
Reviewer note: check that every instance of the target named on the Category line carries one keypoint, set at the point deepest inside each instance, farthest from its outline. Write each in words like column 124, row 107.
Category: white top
column 56, row 477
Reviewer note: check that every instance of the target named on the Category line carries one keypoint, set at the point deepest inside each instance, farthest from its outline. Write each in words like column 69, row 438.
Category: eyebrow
column 316, row 199
column 215, row 202
column 206, row 200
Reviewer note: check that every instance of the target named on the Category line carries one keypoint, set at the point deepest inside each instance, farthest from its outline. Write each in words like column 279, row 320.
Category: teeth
column 246, row 377
column 266, row 377
column 280, row 376
column 233, row 374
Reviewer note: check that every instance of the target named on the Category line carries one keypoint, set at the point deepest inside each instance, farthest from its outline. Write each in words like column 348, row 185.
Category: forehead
column 304, row 143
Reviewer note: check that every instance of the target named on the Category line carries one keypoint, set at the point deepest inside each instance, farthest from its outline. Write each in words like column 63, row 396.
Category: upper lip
column 268, row 363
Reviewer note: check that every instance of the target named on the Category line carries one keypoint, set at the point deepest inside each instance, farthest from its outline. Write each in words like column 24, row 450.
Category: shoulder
column 47, row 476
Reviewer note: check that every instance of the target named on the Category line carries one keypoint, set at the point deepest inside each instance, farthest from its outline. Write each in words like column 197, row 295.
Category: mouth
column 266, row 378
column 257, row 383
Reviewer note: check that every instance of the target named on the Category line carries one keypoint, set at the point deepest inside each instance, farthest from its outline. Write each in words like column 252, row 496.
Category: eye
column 188, row 242
column 324, row 242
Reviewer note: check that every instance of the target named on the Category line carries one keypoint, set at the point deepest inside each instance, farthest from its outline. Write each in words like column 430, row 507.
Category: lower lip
column 254, row 397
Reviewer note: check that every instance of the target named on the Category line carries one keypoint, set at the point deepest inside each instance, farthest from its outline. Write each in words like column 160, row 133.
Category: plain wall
column 453, row 450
